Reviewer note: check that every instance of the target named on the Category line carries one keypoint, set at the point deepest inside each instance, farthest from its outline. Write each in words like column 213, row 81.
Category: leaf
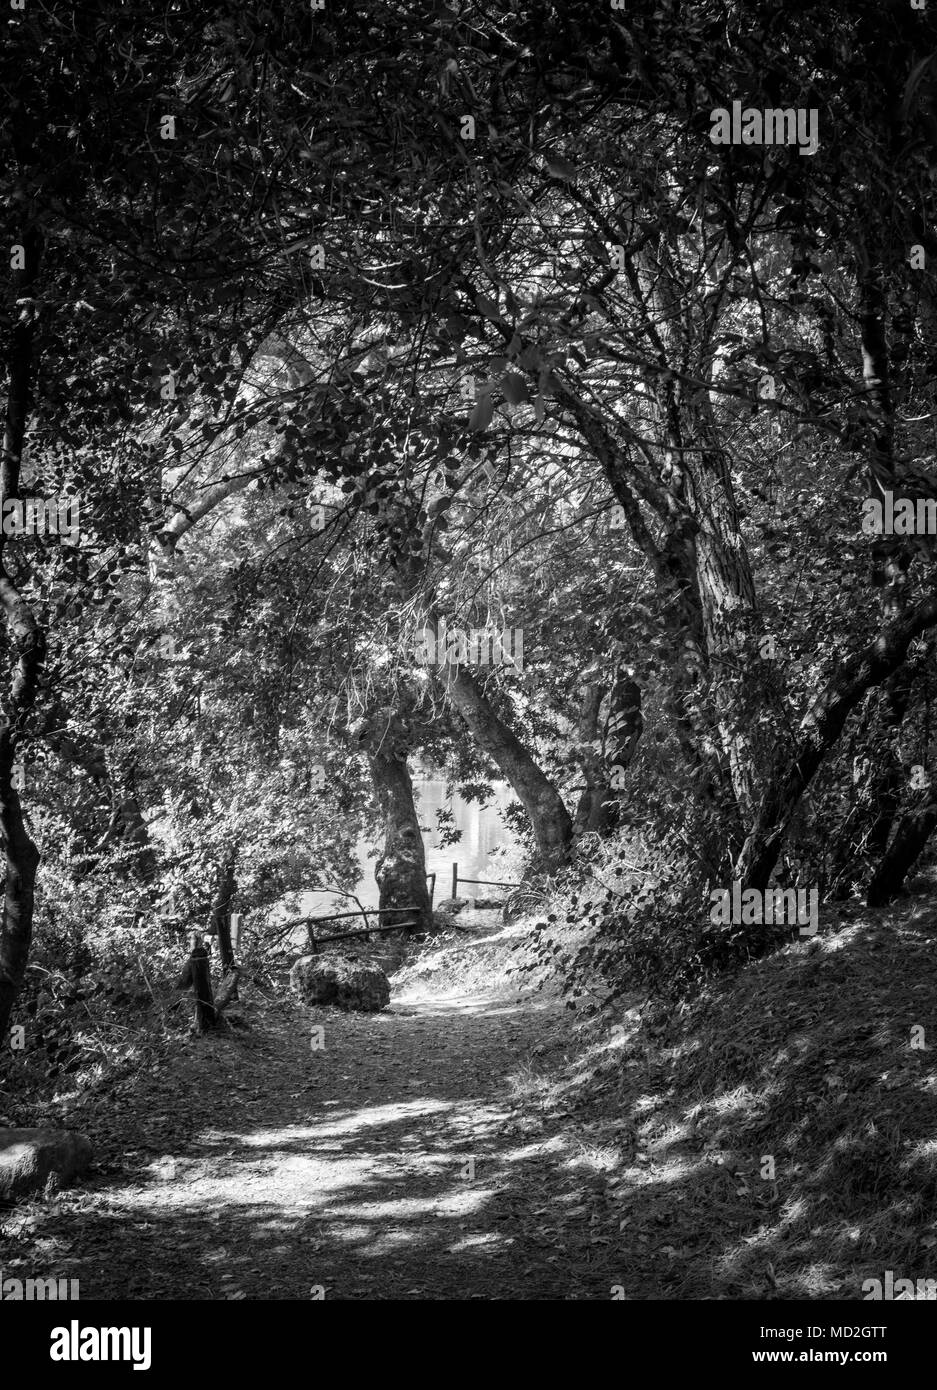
column 560, row 168
column 515, row 388
column 481, row 416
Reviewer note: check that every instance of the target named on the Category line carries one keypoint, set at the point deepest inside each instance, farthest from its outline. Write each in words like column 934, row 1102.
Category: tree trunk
column 912, row 833
column 745, row 687
column 887, row 774
column 221, row 914
column 205, row 1015
column 675, row 567
column 549, row 818
column 22, row 861
column 401, row 869
column 589, row 759
column 600, row 806
column 891, row 557
column 820, row 730
column 27, row 641
column 228, row 992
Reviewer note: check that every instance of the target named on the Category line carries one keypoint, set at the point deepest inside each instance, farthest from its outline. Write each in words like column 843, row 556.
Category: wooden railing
column 458, row 878
column 367, row 930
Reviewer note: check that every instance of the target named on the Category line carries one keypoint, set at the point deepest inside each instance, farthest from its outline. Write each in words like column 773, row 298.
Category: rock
column 339, row 980
column 29, row 1156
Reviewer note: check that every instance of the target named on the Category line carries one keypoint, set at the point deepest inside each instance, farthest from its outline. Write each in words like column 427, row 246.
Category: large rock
column 339, row 980
column 29, row 1156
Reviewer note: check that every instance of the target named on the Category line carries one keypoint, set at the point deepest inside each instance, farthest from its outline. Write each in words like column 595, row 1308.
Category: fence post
column 432, row 889
column 205, row 1016
column 228, row 927
column 455, row 880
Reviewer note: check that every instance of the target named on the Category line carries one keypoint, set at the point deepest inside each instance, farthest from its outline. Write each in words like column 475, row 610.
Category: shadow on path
column 388, row 1163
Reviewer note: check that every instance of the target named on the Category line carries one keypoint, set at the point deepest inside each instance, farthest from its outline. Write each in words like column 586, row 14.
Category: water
column 484, row 832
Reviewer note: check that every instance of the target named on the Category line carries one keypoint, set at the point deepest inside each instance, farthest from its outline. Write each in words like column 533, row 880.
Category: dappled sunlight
column 369, row 1117
column 468, row 776
column 478, row 1005
column 487, row 1241
column 663, row 1173
column 646, row 1103
column 733, row 1102
column 434, row 1164
column 674, row 1133
column 417, row 1209
column 480, row 1142
column 593, row 1158
column 530, row 1153
column 924, row 1149
column 350, row 1234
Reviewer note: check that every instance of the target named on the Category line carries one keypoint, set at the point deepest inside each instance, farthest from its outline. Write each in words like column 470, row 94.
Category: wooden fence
column 196, row 973
column 367, row 930
column 458, row 878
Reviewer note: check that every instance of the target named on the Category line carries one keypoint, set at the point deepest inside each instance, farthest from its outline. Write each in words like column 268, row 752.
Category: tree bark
column 589, row 758
column 599, row 806
column 205, row 1015
column 221, row 914
column 887, row 778
column 675, row 568
column 400, row 871
column 820, row 730
column 22, row 861
column 27, row 641
column 401, row 868
column 228, row 991
column 549, row 818
column 891, row 556
column 745, row 687
column 912, row 833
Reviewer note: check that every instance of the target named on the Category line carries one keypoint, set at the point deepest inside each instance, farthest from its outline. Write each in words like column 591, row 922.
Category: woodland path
column 252, row 1166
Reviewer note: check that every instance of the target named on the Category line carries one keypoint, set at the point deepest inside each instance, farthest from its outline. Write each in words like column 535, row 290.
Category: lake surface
column 484, row 831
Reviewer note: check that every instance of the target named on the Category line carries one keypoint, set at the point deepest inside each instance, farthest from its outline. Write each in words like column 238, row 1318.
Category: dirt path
column 392, row 1163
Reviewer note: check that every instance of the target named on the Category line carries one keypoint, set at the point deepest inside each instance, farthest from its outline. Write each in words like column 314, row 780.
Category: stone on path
column 29, row 1156
column 341, row 981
